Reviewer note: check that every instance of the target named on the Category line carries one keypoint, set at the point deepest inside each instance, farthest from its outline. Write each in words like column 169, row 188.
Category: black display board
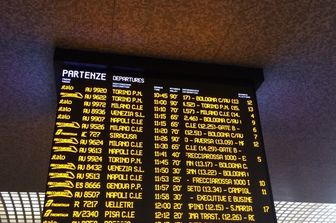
column 156, row 141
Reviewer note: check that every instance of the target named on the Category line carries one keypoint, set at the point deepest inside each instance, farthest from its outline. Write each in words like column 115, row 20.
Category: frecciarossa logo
column 83, row 74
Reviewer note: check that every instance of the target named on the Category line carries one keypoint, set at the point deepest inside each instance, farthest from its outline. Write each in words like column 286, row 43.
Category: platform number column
column 256, row 145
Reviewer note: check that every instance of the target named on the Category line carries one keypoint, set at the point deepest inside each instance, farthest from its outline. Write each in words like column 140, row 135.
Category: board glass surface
column 133, row 144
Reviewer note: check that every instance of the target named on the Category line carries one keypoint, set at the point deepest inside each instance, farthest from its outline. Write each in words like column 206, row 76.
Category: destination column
column 125, row 156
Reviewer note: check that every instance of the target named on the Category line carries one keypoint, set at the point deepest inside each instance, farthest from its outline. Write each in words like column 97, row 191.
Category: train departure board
column 141, row 140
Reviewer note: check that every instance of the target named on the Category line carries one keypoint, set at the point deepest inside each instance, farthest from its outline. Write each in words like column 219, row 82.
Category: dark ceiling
column 294, row 41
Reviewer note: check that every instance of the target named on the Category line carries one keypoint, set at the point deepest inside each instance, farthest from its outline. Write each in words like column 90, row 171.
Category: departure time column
column 161, row 160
